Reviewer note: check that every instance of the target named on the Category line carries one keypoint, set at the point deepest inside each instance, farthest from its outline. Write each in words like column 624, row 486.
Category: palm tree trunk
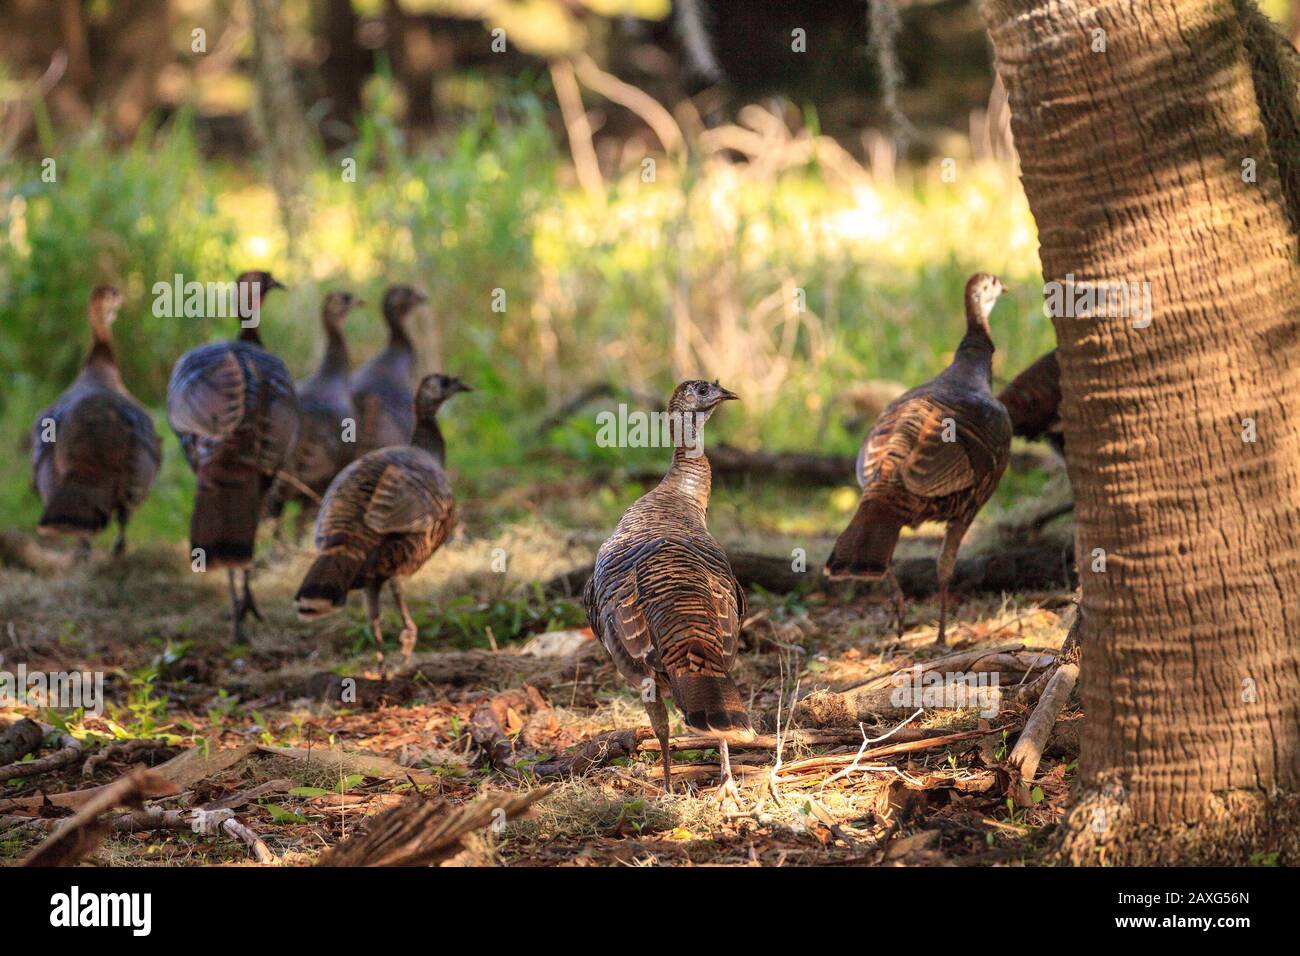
column 1150, row 136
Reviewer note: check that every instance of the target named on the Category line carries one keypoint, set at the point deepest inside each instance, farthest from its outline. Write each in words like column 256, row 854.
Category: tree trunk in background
column 1133, row 164
column 345, row 69
column 282, row 126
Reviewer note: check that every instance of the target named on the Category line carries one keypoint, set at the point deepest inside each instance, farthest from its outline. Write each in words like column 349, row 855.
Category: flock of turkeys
column 365, row 447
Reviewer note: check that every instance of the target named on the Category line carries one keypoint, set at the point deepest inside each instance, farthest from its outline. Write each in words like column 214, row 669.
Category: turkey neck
column 429, row 437
column 975, row 353
column 101, row 363
column 335, row 362
column 689, row 477
column 398, row 338
column 250, row 333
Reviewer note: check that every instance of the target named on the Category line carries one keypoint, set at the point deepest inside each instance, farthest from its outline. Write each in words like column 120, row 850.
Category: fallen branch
column 637, row 101
column 963, row 661
column 185, row 769
column 422, row 832
column 241, row 831
column 604, row 749
column 82, row 832
column 306, row 491
column 889, row 750
column 1028, row 751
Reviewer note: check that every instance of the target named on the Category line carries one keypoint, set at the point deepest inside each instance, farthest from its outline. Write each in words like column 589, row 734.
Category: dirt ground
column 278, row 703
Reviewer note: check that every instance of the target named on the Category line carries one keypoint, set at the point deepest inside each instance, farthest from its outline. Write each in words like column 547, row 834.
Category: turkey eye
column 699, row 389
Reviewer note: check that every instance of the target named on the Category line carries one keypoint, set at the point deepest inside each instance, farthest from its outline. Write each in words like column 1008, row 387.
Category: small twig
column 835, row 760
column 241, row 831
column 302, row 489
column 867, row 742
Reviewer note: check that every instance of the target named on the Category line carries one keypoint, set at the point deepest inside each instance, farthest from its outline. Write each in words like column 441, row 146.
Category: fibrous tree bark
column 1158, row 147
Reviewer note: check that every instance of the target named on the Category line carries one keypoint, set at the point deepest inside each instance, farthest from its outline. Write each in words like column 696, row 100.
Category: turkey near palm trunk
column 1033, row 400
column 325, row 403
column 95, row 452
column 381, row 389
column 233, row 407
column 382, row 518
column 936, row 453
column 662, row 598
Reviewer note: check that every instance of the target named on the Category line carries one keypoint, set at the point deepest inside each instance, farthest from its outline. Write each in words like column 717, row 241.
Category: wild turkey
column 94, row 452
column 232, row 406
column 325, row 402
column 382, row 518
column 935, row 454
column 1033, row 400
column 663, row 599
column 381, row 389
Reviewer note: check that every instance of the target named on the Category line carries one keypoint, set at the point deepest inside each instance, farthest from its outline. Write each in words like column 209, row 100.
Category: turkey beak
column 726, row 395
column 272, row 283
column 420, row 298
column 459, row 386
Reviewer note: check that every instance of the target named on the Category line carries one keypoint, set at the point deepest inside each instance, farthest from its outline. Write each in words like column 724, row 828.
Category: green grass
column 696, row 274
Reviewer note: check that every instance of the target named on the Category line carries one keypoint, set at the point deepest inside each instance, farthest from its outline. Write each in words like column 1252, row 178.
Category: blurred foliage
column 134, row 217
column 790, row 281
column 540, row 27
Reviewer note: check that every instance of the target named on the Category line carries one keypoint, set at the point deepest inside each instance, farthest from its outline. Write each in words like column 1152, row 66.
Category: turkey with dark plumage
column 662, row 598
column 382, row 519
column 95, row 452
column 233, row 407
column 936, row 453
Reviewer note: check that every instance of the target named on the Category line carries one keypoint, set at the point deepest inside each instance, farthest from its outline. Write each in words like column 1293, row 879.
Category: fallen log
column 1047, row 566
column 1042, row 567
column 803, row 468
column 928, row 686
